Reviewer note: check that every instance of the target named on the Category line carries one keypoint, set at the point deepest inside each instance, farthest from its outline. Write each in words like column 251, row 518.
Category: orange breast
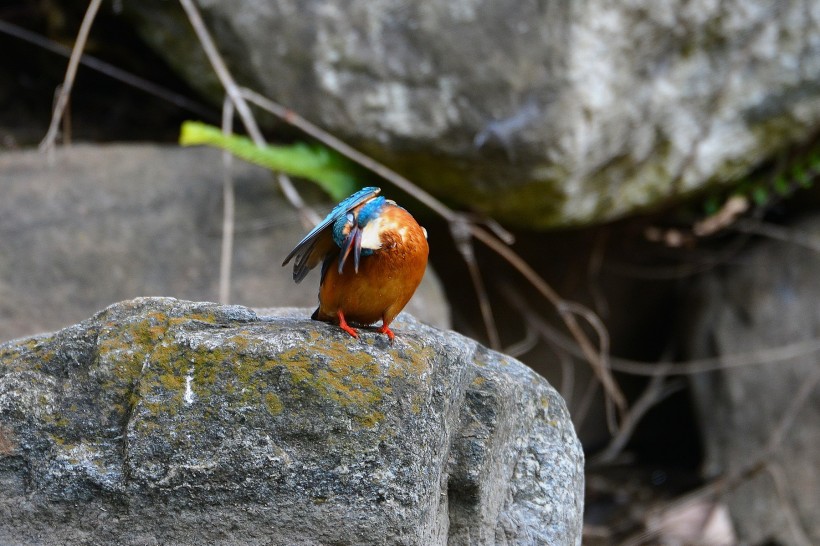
column 386, row 279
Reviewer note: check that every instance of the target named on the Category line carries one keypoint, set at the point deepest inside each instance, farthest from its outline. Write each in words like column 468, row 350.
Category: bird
column 373, row 255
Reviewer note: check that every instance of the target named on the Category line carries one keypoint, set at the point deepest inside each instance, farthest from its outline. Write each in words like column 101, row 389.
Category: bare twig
column 655, row 392
column 736, row 360
column 728, row 213
column 47, row 144
column 222, row 72
column 580, row 413
column 109, row 70
column 228, row 210
column 603, row 373
column 334, row 143
column 460, row 230
column 598, row 359
column 242, row 108
column 756, row 464
column 524, row 345
column 780, row 233
column 787, row 420
column 781, row 486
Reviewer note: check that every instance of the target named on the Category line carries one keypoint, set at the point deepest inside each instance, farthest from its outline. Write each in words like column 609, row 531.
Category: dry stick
column 598, row 361
column 460, row 231
column 603, row 343
column 799, row 534
column 524, row 345
column 47, row 144
column 602, row 373
column 581, row 411
column 108, row 69
column 778, row 233
column 242, row 108
column 228, row 208
column 736, row 360
column 695, row 366
column 655, row 392
column 728, row 482
column 66, row 121
column 351, row 153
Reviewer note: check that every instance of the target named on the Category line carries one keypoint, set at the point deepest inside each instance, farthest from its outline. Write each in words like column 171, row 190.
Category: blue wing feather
column 313, row 247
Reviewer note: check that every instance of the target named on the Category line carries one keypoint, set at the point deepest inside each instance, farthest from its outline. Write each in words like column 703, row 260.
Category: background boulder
column 104, row 223
column 765, row 300
column 551, row 113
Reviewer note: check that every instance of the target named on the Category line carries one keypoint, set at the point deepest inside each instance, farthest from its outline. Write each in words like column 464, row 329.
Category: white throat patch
column 371, row 238
column 371, row 234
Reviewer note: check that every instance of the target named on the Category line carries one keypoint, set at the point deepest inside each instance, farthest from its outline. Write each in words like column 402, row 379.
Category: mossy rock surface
column 165, row 421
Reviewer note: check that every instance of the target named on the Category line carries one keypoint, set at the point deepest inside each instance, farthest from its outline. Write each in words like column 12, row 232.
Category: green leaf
column 760, row 195
column 802, row 177
column 781, row 185
column 330, row 171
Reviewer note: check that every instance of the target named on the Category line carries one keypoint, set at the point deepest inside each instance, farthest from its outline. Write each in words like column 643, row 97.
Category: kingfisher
column 373, row 255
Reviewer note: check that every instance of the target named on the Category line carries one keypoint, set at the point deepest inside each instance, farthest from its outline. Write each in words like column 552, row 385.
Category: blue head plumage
column 347, row 231
column 312, row 248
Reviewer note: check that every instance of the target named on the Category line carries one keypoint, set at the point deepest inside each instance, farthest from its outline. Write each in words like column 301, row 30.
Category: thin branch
column 228, row 209
column 242, row 108
column 736, row 360
column 781, row 486
column 334, row 143
column 597, row 358
column 655, row 392
column 778, row 233
column 525, row 345
column 47, row 144
column 222, row 72
column 579, row 414
column 787, row 420
column 756, row 464
column 605, row 375
column 460, row 231
column 108, row 69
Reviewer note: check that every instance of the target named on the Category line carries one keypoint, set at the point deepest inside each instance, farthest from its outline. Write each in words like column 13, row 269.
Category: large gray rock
column 766, row 299
column 541, row 113
column 161, row 421
column 107, row 223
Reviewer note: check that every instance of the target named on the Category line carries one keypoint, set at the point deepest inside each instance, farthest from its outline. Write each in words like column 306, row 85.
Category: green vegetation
column 762, row 191
column 329, row 170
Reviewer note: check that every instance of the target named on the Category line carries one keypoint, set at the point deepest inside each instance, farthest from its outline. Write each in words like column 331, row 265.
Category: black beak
column 354, row 243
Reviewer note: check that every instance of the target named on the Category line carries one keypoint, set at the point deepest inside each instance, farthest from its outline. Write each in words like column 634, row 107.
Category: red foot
column 344, row 325
column 385, row 330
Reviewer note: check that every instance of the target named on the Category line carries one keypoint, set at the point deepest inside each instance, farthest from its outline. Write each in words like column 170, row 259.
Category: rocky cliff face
column 163, row 421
